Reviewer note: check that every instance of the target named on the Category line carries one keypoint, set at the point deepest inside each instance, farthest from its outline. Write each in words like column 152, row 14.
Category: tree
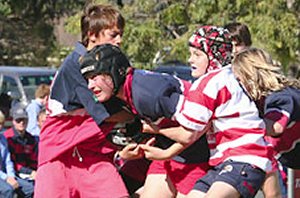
column 27, row 29
column 155, row 25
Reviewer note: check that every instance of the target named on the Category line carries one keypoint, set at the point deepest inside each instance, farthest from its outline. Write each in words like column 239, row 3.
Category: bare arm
column 155, row 153
column 178, row 134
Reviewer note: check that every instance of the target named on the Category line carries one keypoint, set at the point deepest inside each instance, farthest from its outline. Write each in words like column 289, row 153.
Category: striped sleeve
column 201, row 102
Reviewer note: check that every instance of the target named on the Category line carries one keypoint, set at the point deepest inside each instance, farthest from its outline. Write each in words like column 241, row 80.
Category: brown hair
column 239, row 33
column 259, row 74
column 42, row 91
column 98, row 17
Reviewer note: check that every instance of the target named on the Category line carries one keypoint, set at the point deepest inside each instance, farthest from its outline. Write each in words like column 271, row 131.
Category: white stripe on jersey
column 249, row 138
column 223, row 124
column 233, row 111
column 188, row 124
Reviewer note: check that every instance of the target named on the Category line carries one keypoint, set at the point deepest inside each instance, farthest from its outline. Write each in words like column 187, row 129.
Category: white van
column 18, row 83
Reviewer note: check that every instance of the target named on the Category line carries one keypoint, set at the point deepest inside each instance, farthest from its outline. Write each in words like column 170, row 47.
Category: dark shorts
column 244, row 177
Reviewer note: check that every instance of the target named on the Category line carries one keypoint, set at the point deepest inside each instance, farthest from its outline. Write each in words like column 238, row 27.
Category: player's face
column 102, row 86
column 237, row 48
column 198, row 61
column 111, row 36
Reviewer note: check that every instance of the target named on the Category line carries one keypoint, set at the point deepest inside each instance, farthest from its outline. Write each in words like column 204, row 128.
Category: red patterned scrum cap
column 216, row 43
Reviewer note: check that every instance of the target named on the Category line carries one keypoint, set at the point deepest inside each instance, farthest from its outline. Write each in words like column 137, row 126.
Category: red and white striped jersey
column 218, row 99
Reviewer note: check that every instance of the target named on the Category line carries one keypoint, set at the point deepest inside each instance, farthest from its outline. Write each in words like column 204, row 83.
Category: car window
column 9, row 85
column 8, row 89
column 30, row 84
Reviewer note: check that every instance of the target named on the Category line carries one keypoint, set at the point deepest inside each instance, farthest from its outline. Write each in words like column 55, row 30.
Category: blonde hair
column 259, row 74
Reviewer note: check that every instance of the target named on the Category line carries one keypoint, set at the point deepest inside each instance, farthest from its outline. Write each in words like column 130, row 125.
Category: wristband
column 118, row 161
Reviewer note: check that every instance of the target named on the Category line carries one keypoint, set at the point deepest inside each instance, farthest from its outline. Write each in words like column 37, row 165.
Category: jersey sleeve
column 278, row 108
column 197, row 108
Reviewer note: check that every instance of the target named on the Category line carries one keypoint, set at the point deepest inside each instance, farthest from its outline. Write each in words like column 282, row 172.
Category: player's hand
column 33, row 175
column 131, row 151
column 152, row 152
column 13, row 182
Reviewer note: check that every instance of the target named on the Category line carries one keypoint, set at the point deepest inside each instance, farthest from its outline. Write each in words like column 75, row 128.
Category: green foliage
column 151, row 26
column 174, row 15
column 72, row 24
column 4, row 8
column 26, row 29
column 146, row 32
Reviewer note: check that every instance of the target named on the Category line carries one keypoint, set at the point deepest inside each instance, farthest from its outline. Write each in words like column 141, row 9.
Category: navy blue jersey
column 284, row 107
column 70, row 92
column 156, row 95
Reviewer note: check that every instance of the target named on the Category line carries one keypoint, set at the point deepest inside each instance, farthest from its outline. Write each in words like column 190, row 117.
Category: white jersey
column 217, row 98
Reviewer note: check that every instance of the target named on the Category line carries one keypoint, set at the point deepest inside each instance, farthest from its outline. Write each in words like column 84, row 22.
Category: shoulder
column 214, row 81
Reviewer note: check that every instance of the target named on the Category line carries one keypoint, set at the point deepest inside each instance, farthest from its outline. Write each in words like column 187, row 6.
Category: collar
column 80, row 49
column 128, row 90
column 17, row 134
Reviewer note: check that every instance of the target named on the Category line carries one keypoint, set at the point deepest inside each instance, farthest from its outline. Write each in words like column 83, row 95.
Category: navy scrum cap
column 106, row 59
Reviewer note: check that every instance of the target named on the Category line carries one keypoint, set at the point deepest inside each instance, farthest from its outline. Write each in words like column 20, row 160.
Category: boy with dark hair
column 240, row 35
column 75, row 160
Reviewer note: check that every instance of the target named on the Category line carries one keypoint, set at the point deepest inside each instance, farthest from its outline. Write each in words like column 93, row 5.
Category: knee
column 274, row 194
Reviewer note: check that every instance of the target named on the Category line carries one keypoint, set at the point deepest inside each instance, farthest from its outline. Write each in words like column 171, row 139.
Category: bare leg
column 196, row 194
column 271, row 187
column 158, row 185
column 179, row 195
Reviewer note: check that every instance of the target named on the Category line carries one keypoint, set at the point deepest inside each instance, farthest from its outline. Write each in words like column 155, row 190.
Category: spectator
column 41, row 96
column 9, row 183
column 2, row 122
column 41, row 118
column 22, row 145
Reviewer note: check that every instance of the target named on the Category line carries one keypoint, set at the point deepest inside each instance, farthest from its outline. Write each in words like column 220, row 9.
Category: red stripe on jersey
column 224, row 96
column 278, row 117
column 186, row 86
column 197, row 96
column 247, row 150
column 235, row 133
column 200, row 98
column 194, row 120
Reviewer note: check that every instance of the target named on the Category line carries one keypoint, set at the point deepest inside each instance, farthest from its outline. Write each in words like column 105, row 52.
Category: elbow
column 190, row 137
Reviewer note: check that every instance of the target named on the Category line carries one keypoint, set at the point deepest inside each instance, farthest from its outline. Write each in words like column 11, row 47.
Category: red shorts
column 183, row 176
column 95, row 176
